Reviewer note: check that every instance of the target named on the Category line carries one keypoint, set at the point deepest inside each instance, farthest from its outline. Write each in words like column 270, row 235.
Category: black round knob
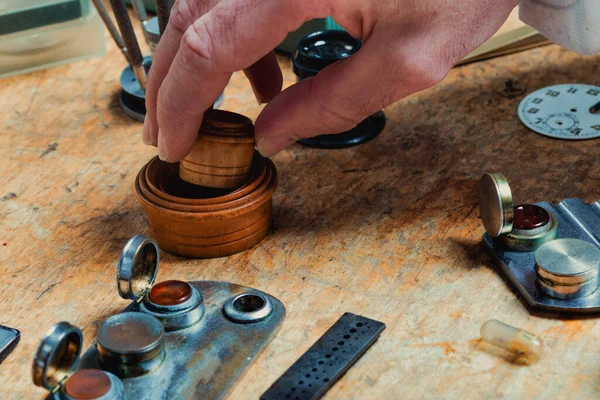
column 315, row 52
column 320, row 49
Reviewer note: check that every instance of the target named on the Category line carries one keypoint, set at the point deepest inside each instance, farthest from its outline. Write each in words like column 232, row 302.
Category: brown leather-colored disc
column 170, row 293
column 87, row 384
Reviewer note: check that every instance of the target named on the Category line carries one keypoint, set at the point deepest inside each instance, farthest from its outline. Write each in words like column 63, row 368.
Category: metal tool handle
column 140, row 10
column 112, row 29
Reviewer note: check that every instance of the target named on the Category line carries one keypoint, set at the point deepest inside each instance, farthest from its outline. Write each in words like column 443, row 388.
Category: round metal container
column 133, row 97
column 177, row 316
column 247, row 308
column 79, row 386
column 131, row 344
column 54, row 368
column 567, row 268
column 532, row 239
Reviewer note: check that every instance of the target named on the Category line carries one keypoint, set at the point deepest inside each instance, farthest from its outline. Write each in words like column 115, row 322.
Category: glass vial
column 527, row 347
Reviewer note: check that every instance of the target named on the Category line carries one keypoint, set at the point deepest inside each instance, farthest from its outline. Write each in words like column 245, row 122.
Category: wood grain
column 222, row 154
column 388, row 230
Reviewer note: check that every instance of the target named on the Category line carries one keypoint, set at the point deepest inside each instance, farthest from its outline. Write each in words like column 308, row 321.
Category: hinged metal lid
column 57, row 355
column 137, row 268
column 496, row 204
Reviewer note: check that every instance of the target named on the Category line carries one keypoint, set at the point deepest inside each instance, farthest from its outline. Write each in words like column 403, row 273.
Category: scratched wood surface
column 389, row 230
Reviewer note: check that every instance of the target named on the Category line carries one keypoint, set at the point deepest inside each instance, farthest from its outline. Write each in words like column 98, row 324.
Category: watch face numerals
column 562, row 111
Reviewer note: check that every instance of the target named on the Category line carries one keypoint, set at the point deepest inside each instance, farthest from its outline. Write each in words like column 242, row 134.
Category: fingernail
column 268, row 147
column 257, row 95
column 146, row 134
column 162, row 154
column 260, row 100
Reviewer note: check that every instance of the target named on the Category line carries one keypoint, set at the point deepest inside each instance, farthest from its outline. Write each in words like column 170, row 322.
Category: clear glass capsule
column 527, row 347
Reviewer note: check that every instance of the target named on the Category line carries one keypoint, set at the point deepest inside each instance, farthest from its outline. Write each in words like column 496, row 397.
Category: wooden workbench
column 388, row 230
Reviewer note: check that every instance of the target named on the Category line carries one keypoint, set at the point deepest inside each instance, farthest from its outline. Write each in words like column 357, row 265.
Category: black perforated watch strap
column 327, row 360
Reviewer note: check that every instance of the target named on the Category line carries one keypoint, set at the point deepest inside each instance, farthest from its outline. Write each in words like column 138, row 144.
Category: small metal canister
column 167, row 342
column 567, row 268
column 131, row 344
column 522, row 228
column 136, row 274
column 54, row 368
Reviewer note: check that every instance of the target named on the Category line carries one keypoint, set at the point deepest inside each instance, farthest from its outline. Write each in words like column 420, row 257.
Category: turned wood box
column 218, row 200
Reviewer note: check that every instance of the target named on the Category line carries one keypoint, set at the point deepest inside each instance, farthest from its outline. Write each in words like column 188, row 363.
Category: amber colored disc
column 87, row 384
column 170, row 293
column 530, row 216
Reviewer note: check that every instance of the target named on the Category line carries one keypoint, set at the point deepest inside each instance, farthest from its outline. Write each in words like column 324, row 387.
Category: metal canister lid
column 567, row 262
column 138, row 267
column 131, row 344
column 496, row 205
column 57, row 355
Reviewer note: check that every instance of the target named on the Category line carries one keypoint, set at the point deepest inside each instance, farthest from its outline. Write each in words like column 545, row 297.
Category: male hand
column 408, row 46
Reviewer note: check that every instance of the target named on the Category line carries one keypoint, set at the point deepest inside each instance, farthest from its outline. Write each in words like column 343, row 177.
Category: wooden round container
column 258, row 186
column 219, row 226
column 223, row 152
column 163, row 181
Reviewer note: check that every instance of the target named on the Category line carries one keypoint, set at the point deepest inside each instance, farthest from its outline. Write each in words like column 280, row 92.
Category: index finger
column 182, row 16
column 232, row 36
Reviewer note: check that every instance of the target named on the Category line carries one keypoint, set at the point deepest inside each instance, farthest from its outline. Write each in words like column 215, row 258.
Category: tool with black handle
column 131, row 43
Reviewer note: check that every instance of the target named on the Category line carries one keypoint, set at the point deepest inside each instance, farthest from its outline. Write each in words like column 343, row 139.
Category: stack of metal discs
column 567, row 268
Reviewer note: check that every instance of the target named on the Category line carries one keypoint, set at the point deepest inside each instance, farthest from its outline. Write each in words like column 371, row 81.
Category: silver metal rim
column 130, row 112
column 133, row 283
column 116, row 392
column 193, row 301
column 531, row 240
column 149, row 320
column 180, row 316
column 237, row 314
column 126, row 363
column 539, row 231
column 581, row 258
column 567, row 292
column 44, row 360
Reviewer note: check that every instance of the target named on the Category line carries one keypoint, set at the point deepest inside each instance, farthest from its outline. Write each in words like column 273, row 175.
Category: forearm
column 574, row 24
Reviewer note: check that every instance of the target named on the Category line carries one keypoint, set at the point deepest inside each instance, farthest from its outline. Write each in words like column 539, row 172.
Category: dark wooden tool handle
column 162, row 11
column 126, row 28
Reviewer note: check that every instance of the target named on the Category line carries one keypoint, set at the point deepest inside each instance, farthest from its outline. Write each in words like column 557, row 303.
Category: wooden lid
column 222, row 155
column 226, row 123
